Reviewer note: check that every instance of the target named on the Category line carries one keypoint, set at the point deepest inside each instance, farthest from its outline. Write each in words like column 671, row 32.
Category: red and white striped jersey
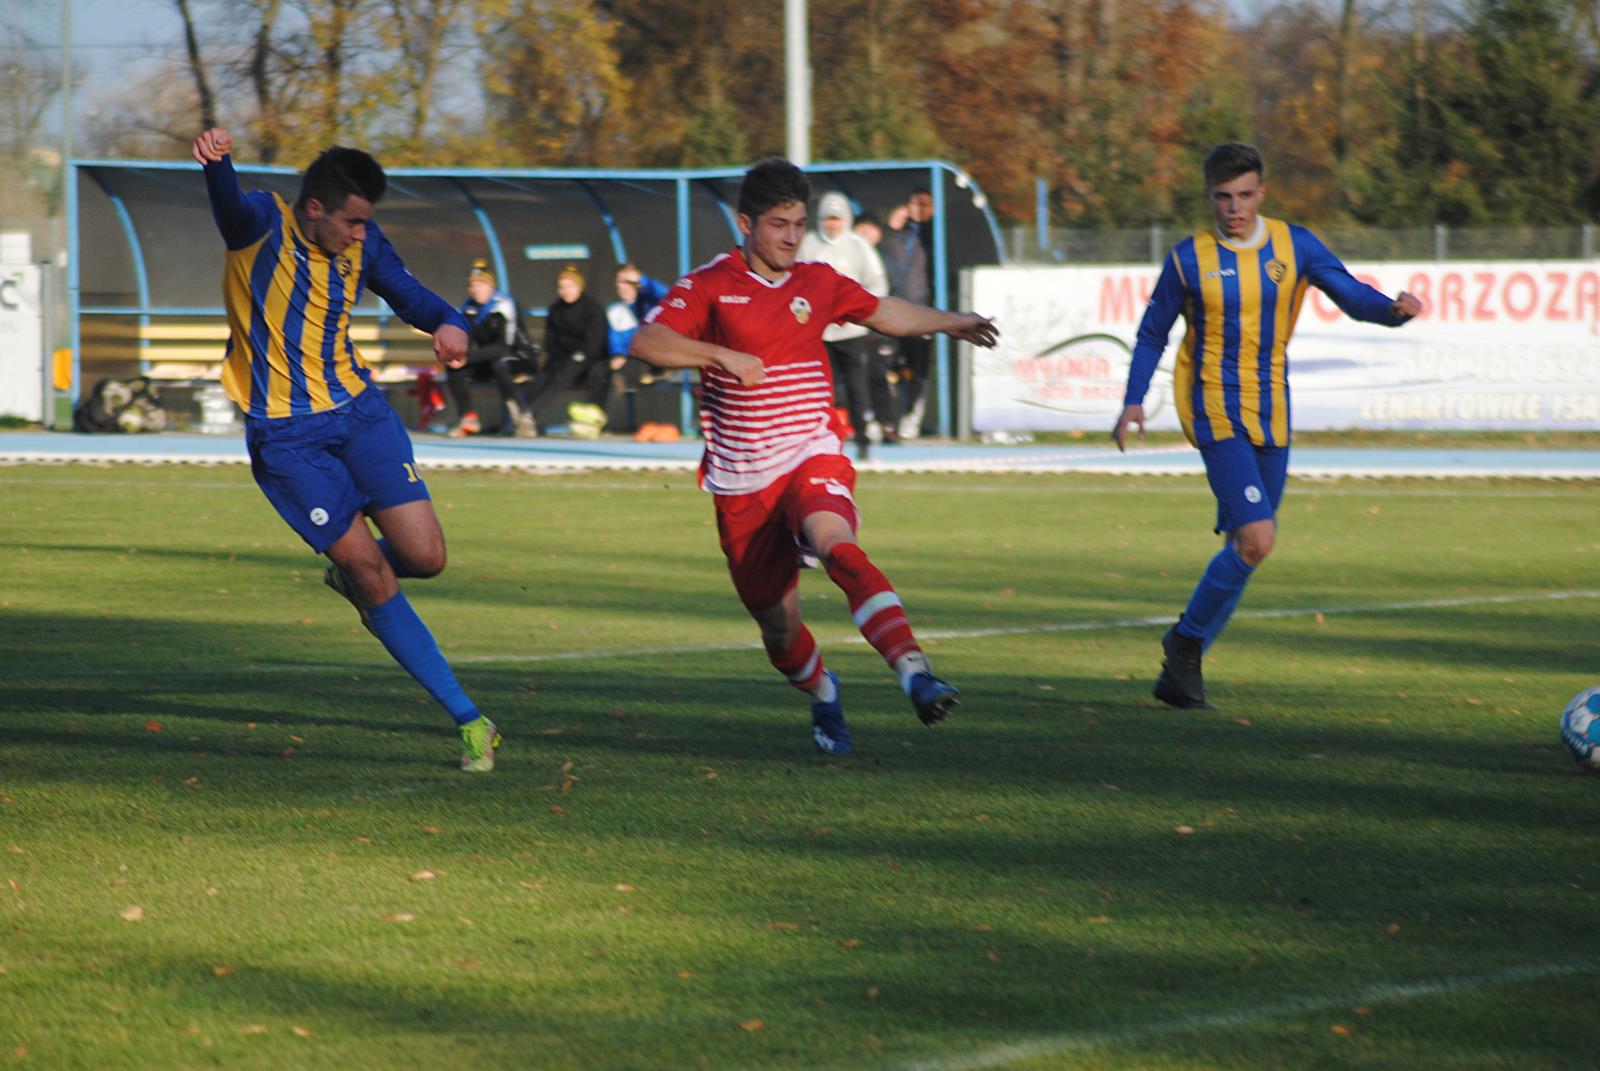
column 756, row 434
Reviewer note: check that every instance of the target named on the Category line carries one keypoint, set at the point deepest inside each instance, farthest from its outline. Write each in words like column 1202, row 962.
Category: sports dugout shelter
column 146, row 260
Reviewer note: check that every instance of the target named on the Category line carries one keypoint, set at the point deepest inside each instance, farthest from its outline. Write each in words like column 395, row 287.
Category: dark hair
column 770, row 183
column 1228, row 161
column 340, row 172
column 923, row 190
column 868, row 217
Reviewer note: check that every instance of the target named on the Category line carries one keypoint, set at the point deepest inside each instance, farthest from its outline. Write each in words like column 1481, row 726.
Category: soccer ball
column 1580, row 728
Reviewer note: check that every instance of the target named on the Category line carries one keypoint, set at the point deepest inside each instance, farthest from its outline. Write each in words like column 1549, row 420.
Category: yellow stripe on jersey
column 1210, row 357
column 1249, row 267
column 1291, row 289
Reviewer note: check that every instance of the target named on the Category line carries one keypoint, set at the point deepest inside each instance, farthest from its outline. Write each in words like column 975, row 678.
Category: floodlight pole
column 797, row 81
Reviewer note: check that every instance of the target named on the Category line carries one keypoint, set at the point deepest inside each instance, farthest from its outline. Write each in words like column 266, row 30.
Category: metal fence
column 1147, row 245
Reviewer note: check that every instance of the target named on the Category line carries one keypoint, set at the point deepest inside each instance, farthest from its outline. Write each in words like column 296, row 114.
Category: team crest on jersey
column 1276, row 270
column 344, row 266
column 801, row 309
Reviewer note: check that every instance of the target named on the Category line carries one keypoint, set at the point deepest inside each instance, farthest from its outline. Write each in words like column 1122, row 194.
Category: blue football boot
column 828, row 730
column 933, row 698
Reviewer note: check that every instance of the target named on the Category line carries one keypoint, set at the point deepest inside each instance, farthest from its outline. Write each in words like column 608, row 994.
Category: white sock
column 909, row 666
column 827, row 691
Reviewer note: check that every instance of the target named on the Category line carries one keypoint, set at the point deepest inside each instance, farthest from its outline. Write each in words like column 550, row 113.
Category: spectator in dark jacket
column 575, row 344
column 907, row 251
column 492, row 343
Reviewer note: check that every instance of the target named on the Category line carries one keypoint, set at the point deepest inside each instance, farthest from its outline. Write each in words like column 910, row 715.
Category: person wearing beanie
column 851, row 348
column 493, row 342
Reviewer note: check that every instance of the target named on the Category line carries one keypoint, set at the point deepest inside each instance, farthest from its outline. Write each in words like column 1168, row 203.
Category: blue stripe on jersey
column 262, row 272
column 294, row 325
column 1269, row 335
column 1232, row 335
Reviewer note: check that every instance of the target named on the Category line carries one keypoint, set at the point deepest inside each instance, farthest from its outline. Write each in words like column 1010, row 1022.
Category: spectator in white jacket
column 856, row 361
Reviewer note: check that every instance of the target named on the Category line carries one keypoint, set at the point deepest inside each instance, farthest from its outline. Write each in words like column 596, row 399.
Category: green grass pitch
column 231, row 833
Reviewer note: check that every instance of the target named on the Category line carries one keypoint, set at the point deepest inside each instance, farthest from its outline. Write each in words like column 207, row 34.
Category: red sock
column 801, row 663
column 877, row 609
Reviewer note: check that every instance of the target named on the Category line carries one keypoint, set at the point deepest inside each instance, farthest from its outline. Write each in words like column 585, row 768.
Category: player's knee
column 1254, row 547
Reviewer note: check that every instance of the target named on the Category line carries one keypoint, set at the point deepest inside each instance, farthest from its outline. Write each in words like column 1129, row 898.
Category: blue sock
column 394, row 563
column 410, row 643
column 1215, row 596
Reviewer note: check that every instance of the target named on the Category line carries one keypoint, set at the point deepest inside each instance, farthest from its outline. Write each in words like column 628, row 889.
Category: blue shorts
column 1247, row 480
column 321, row 470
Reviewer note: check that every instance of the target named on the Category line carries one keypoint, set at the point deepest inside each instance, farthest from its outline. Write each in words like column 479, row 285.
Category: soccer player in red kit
column 752, row 322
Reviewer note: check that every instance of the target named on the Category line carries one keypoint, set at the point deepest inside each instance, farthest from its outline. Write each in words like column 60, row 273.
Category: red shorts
column 760, row 531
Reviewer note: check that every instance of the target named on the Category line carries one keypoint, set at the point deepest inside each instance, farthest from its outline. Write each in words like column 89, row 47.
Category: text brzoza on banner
column 1499, row 345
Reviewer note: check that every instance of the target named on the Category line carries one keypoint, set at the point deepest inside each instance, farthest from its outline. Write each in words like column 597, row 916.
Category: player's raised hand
column 1132, row 414
column 978, row 330
column 1406, row 306
column 450, row 346
column 748, row 370
column 212, row 146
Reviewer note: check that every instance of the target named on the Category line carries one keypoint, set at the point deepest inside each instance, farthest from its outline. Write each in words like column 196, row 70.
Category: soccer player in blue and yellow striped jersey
column 325, row 446
column 1239, row 288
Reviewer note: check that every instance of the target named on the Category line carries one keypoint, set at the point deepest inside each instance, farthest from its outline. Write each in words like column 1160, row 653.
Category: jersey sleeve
column 391, row 280
column 1166, row 302
column 241, row 218
column 686, row 309
column 1327, row 273
column 852, row 302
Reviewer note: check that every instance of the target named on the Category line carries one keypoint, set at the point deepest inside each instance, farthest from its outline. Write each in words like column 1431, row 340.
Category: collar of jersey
column 770, row 284
column 1255, row 241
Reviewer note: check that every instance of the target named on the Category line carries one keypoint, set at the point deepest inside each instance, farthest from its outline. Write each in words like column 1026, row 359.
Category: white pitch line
column 1062, row 1044
column 191, row 671
column 1068, row 626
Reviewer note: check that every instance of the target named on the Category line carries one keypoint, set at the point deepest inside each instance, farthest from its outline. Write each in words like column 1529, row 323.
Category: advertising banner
column 21, row 342
column 1499, row 345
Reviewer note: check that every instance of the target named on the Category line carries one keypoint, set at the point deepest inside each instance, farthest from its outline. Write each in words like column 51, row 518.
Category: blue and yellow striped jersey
column 1240, row 302
column 289, row 304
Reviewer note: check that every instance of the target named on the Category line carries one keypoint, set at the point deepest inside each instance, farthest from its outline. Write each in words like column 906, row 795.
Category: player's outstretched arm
column 663, row 347
column 1132, row 416
column 241, row 218
column 895, row 316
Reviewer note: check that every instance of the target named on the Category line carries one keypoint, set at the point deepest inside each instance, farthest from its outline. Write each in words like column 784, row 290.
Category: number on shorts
column 411, row 473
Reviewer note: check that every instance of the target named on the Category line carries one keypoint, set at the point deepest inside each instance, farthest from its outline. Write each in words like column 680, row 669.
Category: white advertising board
column 1500, row 345
column 21, row 342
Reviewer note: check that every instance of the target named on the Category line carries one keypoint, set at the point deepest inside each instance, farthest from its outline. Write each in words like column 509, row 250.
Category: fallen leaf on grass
column 1392, row 929
column 685, row 974
column 1183, row 831
column 152, row 726
column 541, row 883
column 872, row 992
column 254, row 1028
column 301, row 1031
column 430, row 829
column 399, row 917
column 982, row 927
column 1342, row 1030
column 467, row 964
column 818, row 831
column 15, row 849
column 783, row 925
column 221, row 971
column 423, row 875
column 622, row 886
column 1099, row 920
column 131, row 913
column 752, row 1025
column 991, row 955
column 850, row 942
